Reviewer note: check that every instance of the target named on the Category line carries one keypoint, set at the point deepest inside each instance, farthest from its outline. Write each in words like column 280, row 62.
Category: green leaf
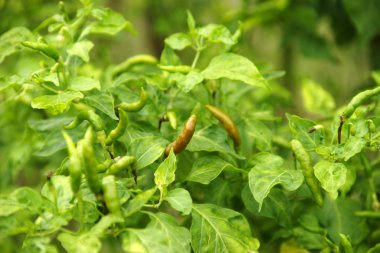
column 10, row 81
column 165, row 173
column 169, row 57
column 217, row 229
column 338, row 217
column 264, row 176
column 261, row 133
column 138, row 202
column 178, row 41
column 211, row 139
column 177, row 238
column 56, row 104
column 81, row 49
column 38, row 244
column 300, row 127
column 316, row 99
column 110, row 22
column 9, row 206
column 234, row 67
column 180, row 200
column 10, row 41
column 57, row 192
column 187, row 82
column 216, row 34
column 28, row 198
column 146, row 240
column 147, row 150
column 206, row 169
column 102, row 101
column 353, row 146
column 83, row 83
column 331, row 175
column 190, row 21
column 276, row 205
column 78, row 244
column 105, row 222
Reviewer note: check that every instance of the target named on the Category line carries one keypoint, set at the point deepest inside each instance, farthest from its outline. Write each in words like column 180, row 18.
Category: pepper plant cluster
column 158, row 155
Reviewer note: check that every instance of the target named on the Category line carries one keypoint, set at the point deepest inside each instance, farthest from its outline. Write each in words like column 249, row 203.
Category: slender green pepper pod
column 184, row 137
column 90, row 115
column 103, row 167
column 110, row 194
column 346, row 244
column 227, row 122
column 75, row 163
column 135, row 106
column 86, row 152
column 307, row 170
column 132, row 61
column 371, row 126
column 121, row 164
column 120, row 128
column 43, row 48
column 358, row 100
column 172, row 117
column 184, row 69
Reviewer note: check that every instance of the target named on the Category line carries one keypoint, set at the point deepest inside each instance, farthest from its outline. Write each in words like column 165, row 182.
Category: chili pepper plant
column 156, row 154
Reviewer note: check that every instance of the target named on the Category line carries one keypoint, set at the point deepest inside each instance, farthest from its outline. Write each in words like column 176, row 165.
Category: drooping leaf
column 165, row 173
column 147, row 150
column 84, row 83
column 138, row 202
column 82, row 243
column 81, row 49
column 264, row 176
column 56, row 104
column 217, row 229
column 234, row 67
column 145, row 240
column 180, row 200
column 331, row 175
column 110, row 22
column 353, row 146
column 177, row 238
column 206, row 169
column 10, row 41
column 300, row 127
column 57, row 192
column 178, row 41
column 102, row 101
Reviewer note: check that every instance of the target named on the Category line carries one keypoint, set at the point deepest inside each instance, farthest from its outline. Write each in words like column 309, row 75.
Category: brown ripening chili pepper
column 227, row 122
column 184, row 137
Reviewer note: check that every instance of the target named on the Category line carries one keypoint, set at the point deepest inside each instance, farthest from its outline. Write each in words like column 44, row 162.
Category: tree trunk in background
column 375, row 52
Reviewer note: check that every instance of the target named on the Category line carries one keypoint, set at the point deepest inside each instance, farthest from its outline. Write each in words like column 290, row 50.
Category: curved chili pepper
column 135, row 106
column 227, row 122
column 184, row 137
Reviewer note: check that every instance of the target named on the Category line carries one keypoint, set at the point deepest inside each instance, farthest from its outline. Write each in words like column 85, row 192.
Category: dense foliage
column 162, row 154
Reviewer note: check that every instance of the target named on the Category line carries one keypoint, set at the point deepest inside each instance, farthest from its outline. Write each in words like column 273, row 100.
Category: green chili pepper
column 132, row 61
column 110, row 194
column 135, row 106
column 75, row 163
column 184, row 69
column 307, row 170
column 184, row 137
column 358, row 100
column 120, row 129
column 86, row 152
column 172, row 117
column 371, row 126
column 346, row 244
column 103, row 167
column 43, row 48
column 123, row 163
column 227, row 122
column 90, row 115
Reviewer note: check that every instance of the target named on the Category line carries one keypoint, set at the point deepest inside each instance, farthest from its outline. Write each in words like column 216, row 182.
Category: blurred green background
column 333, row 42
